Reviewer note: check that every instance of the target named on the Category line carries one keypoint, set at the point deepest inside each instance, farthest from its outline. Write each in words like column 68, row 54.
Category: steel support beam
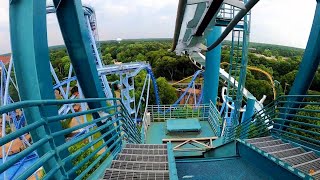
column 243, row 69
column 211, row 74
column 76, row 36
column 77, row 39
column 211, row 13
column 180, row 13
column 249, row 108
column 248, row 6
column 31, row 62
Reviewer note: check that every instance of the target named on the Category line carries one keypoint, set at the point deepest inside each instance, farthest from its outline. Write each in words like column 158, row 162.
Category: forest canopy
column 280, row 61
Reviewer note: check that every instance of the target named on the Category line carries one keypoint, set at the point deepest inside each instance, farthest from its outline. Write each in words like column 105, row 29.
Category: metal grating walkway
column 117, row 174
column 140, row 161
column 145, row 166
column 144, row 151
column 146, row 146
column 295, row 157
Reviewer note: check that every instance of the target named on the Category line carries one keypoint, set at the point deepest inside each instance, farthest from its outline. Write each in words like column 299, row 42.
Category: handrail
column 287, row 118
column 171, row 162
column 85, row 154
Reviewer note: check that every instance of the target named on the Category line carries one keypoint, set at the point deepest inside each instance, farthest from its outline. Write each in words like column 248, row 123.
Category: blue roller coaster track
column 245, row 140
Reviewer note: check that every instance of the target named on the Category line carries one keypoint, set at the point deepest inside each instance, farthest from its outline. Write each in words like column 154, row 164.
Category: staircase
column 140, row 161
column 295, row 159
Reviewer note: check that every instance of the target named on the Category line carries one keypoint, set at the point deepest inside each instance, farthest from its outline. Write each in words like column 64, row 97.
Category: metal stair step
column 300, row 158
column 146, row 146
column 260, row 139
column 267, row 143
column 296, row 157
column 287, row 152
column 278, row 147
column 119, row 174
column 144, row 158
column 316, row 175
column 144, row 151
column 140, row 166
column 310, row 166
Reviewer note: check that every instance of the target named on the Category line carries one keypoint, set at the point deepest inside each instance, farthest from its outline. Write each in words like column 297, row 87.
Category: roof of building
column 5, row 59
column 191, row 90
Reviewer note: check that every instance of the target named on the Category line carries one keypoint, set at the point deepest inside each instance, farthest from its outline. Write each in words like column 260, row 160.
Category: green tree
column 107, row 59
column 308, row 111
column 168, row 94
column 166, row 67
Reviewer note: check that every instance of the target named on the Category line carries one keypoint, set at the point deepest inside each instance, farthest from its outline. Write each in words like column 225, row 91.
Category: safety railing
column 215, row 119
column 144, row 126
column 161, row 113
column 294, row 118
column 78, row 157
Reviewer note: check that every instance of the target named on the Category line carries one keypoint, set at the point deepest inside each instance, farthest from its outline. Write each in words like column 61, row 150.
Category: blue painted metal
column 183, row 125
column 215, row 119
column 243, row 68
column 211, row 74
column 300, row 124
column 249, row 108
column 274, row 167
column 125, row 130
column 155, row 86
column 195, row 76
column 133, row 68
column 173, row 175
column 34, row 79
column 64, row 82
column 76, row 36
column 127, row 72
column 52, row 145
column 220, row 168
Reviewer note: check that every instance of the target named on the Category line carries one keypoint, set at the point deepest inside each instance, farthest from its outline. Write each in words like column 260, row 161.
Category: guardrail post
column 248, row 114
column 28, row 30
column 76, row 37
column 211, row 74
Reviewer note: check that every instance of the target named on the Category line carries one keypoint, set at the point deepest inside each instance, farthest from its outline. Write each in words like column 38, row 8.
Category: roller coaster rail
column 112, row 122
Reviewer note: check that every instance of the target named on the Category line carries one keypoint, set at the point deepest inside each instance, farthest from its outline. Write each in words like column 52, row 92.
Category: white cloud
column 156, row 4
column 284, row 22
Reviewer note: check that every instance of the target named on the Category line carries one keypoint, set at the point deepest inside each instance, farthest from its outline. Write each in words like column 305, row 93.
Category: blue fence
column 87, row 152
column 295, row 118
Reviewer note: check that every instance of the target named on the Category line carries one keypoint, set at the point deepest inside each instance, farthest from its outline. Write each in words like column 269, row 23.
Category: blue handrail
column 116, row 120
column 296, row 121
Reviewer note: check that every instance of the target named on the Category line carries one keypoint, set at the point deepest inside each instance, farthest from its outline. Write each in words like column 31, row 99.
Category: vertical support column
column 28, row 31
column 76, row 36
column 243, row 69
column 249, row 108
column 77, row 40
column 211, row 74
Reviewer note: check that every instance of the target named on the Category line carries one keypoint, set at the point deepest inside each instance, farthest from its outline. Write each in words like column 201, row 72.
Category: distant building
column 5, row 59
column 192, row 92
column 252, row 49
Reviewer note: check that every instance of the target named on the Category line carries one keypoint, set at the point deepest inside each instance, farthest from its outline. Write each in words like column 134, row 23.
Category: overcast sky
column 285, row 22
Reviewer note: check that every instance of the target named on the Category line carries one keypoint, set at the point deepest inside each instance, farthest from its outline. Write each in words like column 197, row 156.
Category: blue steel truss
column 110, row 116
